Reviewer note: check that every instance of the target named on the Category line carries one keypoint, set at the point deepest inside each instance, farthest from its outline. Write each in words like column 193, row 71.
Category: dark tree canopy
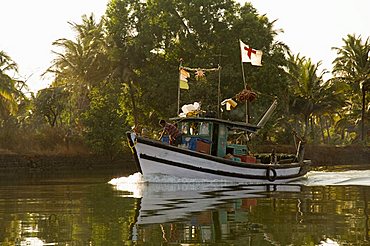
column 123, row 71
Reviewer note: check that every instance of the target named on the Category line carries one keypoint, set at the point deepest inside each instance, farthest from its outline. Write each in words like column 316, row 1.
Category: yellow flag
column 184, row 85
column 230, row 104
column 184, row 75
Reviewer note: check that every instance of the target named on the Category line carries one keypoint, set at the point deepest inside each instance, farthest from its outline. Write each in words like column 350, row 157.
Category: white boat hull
column 154, row 157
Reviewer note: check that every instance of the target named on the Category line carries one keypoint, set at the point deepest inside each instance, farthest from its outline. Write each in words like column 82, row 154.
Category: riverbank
column 16, row 164
column 64, row 164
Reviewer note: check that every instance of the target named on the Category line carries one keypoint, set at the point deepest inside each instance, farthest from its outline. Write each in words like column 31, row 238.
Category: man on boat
column 173, row 133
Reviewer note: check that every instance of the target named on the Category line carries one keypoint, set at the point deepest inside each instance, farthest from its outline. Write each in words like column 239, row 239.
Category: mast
column 266, row 116
column 218, row 91
column 246, row 102
column 219, row 84
column 178, row 90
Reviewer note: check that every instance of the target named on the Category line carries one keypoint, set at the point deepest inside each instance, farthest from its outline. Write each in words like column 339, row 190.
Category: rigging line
column 264, row 94
column 203, row 69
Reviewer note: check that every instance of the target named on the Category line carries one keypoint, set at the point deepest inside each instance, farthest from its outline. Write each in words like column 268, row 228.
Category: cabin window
column 204, row 128
column 194, row 129
column 185, row 128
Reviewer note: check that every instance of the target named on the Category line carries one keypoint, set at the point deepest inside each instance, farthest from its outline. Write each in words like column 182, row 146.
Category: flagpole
column 219, row 90
column 178, row 91
column 243, row 74
column 246, row 103
column 219, row 115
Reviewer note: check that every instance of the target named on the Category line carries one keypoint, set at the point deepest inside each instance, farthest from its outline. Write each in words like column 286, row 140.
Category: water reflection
column 292, row 214
column 324, row 208
column 190, row 213
column 63, row 212
column 163, row 203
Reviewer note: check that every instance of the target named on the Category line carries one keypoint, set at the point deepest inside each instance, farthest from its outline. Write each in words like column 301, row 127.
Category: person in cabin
column 172, row 131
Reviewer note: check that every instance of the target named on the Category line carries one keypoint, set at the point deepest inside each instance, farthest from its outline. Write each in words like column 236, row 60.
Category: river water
column 328, row 207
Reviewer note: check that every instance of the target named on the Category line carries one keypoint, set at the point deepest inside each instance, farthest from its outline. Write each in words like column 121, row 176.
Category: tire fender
column 271, row 174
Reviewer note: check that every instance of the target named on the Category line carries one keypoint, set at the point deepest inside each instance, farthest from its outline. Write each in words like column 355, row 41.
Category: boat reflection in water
column 192, row 210
column 325, row 208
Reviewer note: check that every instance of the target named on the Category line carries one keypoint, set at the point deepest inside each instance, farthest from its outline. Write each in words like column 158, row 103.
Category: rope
column 264, row 94
column 133, row 146
column 201, row 69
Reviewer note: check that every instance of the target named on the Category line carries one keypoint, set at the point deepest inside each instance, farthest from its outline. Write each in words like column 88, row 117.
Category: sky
column 29, row 27
column 311, row 28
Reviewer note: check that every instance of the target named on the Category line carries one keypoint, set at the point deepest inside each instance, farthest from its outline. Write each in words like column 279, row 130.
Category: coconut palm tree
column 352, row 65
column 81, row 63
column 8, row 85
column 328, row 105
column 309, row 94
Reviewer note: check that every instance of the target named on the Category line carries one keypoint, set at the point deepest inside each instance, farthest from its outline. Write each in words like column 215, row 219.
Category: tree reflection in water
column 307, row 217
column 70, row 212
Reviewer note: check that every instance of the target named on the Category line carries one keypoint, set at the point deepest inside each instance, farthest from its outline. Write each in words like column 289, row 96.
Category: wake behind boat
column 209, row 150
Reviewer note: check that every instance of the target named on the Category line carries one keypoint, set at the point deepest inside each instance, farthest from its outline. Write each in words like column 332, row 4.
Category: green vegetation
column 123, row 71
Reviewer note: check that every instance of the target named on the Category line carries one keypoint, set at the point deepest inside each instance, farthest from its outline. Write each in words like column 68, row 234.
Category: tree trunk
column 363, row 113
column 307, row 123
column 322, row 130
column 328, row 130
column 312, row 130
column 134, row 110
column 126, row 77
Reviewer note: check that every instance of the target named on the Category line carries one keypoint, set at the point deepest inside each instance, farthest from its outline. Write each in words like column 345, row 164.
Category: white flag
column 250, row 55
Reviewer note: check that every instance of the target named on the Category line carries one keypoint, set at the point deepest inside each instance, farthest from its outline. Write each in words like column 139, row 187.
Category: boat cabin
column 216, row 137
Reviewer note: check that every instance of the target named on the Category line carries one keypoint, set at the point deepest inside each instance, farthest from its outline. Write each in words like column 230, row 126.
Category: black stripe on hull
column 219, row 172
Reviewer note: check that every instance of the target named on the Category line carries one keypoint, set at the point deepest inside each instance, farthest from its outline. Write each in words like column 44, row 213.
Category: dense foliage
column 123, row 71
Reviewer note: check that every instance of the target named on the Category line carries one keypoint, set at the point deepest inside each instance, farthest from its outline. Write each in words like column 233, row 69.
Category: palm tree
column 82, row 63
column 330, row 101
column 8, row 85
column 310, row 95
column 352, row 66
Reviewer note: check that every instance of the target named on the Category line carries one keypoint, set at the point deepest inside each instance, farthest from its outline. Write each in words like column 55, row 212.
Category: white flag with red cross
column 250, row 55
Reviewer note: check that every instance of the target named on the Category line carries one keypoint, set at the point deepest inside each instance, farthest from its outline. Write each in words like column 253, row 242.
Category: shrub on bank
column 45, row 140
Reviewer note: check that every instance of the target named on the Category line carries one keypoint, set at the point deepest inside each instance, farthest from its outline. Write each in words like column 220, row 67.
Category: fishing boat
column 212, row 149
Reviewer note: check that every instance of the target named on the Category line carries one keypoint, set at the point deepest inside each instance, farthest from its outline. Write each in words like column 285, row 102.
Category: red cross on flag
column 250, row 55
